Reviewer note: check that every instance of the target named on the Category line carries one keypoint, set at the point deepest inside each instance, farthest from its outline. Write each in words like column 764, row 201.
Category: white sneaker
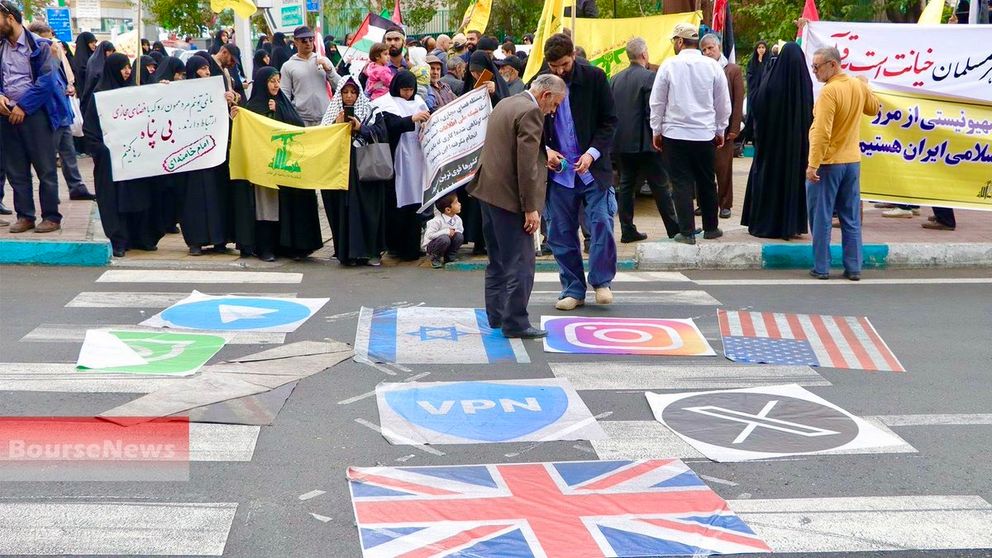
column 898, row 213
column 569, row 303
column 604, row 295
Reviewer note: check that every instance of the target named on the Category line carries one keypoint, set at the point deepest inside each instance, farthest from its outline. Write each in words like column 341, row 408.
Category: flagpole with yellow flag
column 549, row 24
column 932, row 13
column 477, row 16
column 244, row 8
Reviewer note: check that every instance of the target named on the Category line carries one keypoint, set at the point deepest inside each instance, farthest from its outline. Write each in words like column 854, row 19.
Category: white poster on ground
column 204, row 312
column 164, row 129
column 452, row 141
column 953, row 60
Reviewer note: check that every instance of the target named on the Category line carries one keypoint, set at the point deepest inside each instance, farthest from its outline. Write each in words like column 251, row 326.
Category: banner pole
column 137, row 56
column 575, row 36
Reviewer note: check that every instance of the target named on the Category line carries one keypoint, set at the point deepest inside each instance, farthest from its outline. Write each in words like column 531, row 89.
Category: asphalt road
column 940, row 331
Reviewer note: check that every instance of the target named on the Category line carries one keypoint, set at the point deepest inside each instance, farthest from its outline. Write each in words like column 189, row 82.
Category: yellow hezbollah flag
column 272, row 154
column 244, row 8
column 931, row 14
column 926, row 150
column 477, row 16
column 605, row 40
column 549, row 24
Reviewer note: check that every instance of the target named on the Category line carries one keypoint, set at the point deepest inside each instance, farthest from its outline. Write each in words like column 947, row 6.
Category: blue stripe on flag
column 382, row 335
column 498, row 348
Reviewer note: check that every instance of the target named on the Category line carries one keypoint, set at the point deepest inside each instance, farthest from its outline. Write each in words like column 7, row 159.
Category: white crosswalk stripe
column 686, row 298
column 125, row 299
column 197, row 277
column 624, row 277
column 877, row 523
column 636, row 376
column 74, row 333
column 121, row 528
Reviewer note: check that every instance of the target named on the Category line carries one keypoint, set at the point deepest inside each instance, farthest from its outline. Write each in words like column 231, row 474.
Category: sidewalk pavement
column 888, row 242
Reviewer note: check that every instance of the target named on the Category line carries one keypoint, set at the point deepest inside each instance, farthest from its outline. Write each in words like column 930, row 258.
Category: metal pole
column 575, row 36
column 137, row 29
column 973, row 6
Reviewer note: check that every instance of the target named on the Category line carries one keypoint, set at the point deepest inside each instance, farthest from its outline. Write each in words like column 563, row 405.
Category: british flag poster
column 811, row 339
column 574, row 509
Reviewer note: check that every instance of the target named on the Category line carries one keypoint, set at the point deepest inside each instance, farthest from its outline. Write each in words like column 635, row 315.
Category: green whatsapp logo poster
column 161, row 352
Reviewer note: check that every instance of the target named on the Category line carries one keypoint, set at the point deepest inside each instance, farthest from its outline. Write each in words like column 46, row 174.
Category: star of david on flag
column 554, row 510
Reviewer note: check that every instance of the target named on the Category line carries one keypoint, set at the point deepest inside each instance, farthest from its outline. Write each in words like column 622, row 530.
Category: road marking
column 359, row 397
column 197, row 277
column 650, row 439
column 617, row 376
column 311, row 494
column 123, row 299
column 808, row 525
column 818, row 282
column 122, row 528
column 222, row 442
column 74, row 333
column 65, row 378
column 377, row 428
column 625, row 277
column 936, row 420
column 692, row 298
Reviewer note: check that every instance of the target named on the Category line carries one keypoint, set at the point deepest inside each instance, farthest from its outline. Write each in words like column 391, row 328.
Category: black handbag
column 374, row 160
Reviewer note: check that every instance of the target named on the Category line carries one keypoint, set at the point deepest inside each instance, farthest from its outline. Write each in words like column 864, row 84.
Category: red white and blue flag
column 550, row 510
column 813, row 340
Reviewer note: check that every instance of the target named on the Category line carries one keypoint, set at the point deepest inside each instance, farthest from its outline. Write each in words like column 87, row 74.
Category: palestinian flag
column 372, row 31
column 723, row 24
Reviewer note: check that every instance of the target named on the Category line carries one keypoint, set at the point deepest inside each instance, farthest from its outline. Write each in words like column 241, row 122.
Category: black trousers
column 945, row 216
column 690, row 164
column 31, row 144
column 510, row 273
column 635, row 169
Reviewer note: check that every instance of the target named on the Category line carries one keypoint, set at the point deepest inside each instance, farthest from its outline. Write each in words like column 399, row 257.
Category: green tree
column 185, row 17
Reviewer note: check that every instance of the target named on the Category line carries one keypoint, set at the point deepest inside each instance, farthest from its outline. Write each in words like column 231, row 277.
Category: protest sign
column 951, row 60
column 928, row 151
column 164, row 128
column 605, row 40
column 452, row 141
column 272, row 154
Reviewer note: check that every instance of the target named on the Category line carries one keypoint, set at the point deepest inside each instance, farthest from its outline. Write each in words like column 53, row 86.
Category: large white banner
column 164, row 129
column 953, row 60
column 452, row 141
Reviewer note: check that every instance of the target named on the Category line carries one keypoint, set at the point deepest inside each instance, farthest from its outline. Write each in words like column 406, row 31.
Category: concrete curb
column 656, row 256
column 542, row 265
column 55, row 252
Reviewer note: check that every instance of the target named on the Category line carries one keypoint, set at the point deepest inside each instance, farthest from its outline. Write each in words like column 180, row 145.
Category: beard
column 471, row 48
column 394, row 52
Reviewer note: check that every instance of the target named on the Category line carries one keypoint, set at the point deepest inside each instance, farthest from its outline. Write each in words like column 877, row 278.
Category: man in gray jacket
column 632, row 150
column 305, row 77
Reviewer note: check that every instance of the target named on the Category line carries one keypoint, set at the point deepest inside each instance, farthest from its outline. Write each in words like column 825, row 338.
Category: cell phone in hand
column 349, row 112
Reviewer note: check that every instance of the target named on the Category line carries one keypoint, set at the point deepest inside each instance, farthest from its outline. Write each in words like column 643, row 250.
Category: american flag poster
column 553, row 510
column 810, row 339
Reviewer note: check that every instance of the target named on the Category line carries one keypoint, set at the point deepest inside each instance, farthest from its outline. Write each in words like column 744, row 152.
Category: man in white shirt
column 305, row 77
column 690, row 109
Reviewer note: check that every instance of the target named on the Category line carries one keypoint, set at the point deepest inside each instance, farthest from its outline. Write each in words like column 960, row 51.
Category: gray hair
column 829, row 54
column 455, row 62
column 548, row 82
column 710, row 37
column 636, row 47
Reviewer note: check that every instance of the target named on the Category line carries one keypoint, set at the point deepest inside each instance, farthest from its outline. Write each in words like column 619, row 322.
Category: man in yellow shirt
column 832, row 178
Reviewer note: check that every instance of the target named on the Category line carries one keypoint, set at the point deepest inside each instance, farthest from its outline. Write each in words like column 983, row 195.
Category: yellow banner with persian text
column 605, row 40
column 272, row 154
column 928, row 151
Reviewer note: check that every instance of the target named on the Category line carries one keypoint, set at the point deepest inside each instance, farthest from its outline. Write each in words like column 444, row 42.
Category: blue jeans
column 838, row 190
column 561, row 212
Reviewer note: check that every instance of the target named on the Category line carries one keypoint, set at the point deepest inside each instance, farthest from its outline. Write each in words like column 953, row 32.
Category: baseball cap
column 302, row 32
column 459, row 40
column 685, row 31
column 514, row 62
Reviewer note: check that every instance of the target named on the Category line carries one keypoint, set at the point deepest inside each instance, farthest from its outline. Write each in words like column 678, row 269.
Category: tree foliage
column 185, row 17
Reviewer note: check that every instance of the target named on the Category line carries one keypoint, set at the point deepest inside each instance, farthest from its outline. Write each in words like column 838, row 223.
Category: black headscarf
column 111, row 77
column 259, row 60
column 756, row 68
column 482, row 60
column 193, row 64
column 280, row 52
column 140, row 65
column 262, row 45
column 260, row 97
column 81, row 56
column 782, row 110
column 217, row 43
column 404, row 79
column 236, row 53
column 157, row 56
column 157, row 46
column 94, row 69
column 168, row 69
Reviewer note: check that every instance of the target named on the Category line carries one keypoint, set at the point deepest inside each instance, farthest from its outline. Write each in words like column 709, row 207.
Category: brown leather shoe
column 47, row 226
column 937, row 226
column 21, row 225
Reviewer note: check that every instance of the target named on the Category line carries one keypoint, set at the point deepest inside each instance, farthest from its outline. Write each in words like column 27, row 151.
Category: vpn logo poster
column 484, row 412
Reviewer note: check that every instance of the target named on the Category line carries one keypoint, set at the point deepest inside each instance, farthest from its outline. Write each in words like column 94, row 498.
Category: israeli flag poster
column 204, row 312
column 484, row 412
column 426, row 335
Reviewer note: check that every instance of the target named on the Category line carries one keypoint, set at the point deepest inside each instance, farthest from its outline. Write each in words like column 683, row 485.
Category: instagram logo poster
column 624, row 336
